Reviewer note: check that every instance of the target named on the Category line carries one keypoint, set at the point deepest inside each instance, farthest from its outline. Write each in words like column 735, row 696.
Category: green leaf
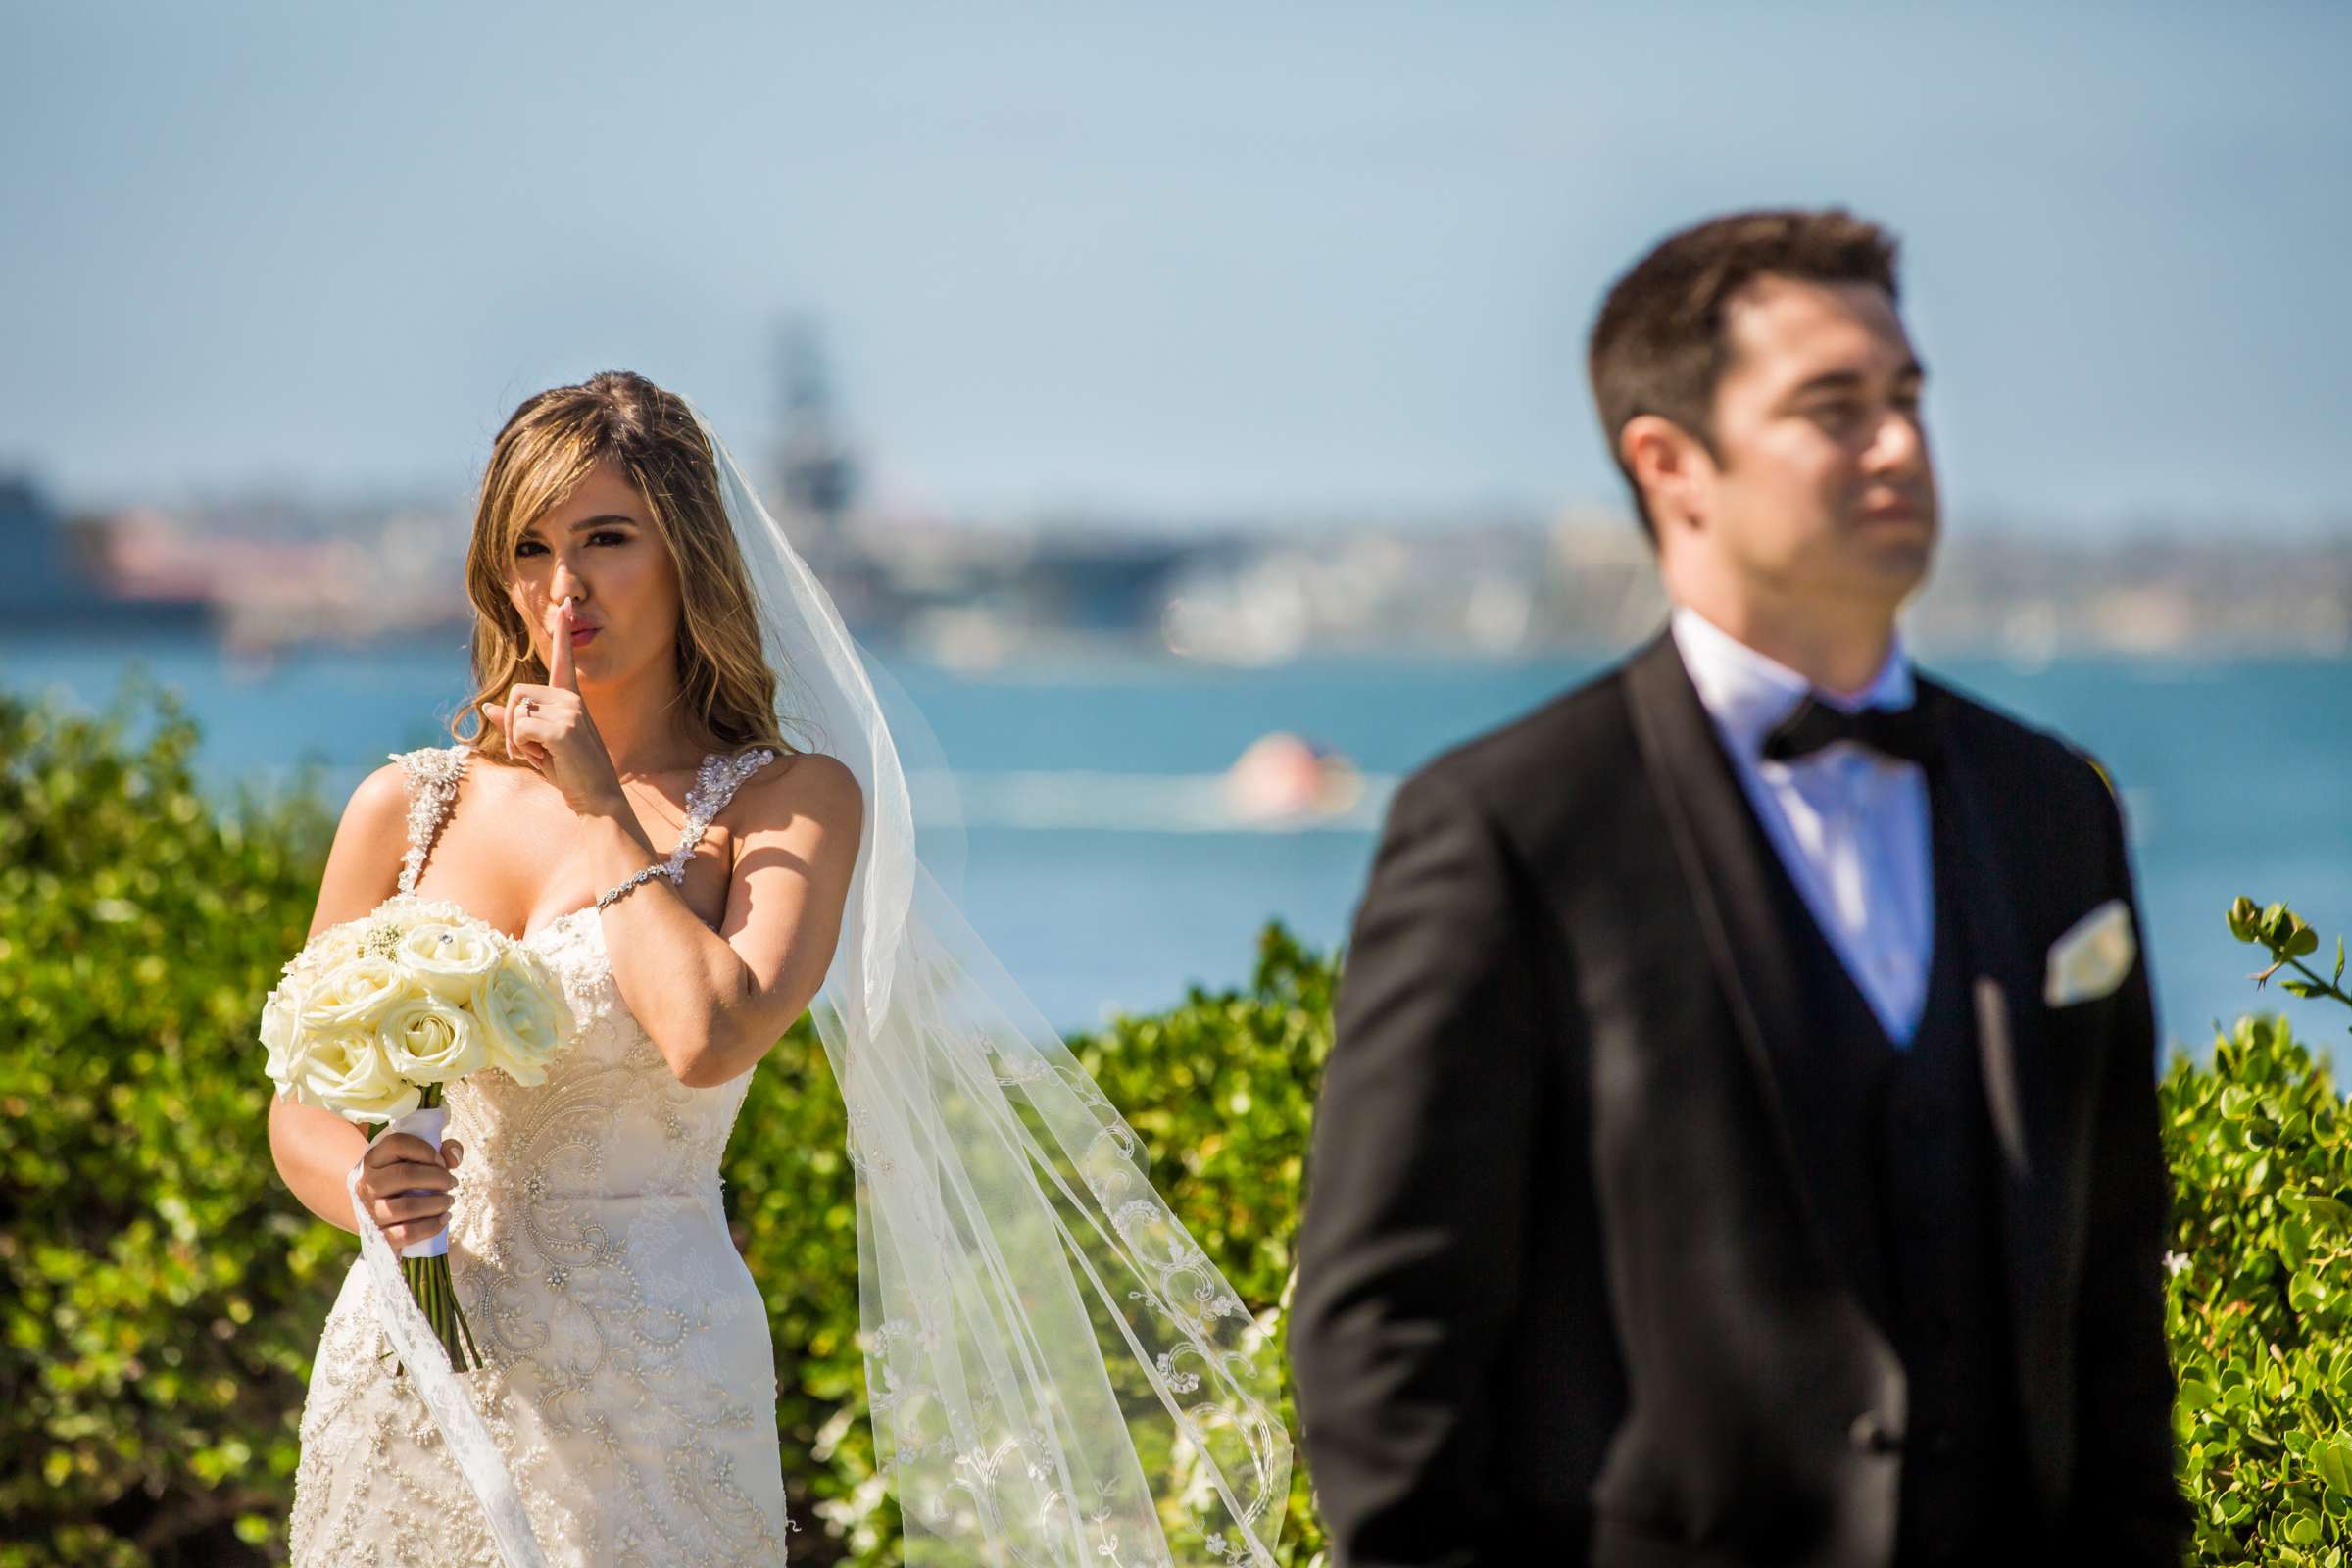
column 2325, row 1210
column 2331, row 1462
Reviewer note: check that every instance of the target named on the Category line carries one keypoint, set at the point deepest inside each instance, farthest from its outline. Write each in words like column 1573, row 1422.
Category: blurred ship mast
column 814, row 472
column 816, row 476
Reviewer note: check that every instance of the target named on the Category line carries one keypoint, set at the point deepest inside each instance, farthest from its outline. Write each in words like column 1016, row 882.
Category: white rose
column 523, row 1012
column 334, row 946
column 428, row 1041
column 281, row 1035
column 450, row 958
column 407, row 909
column 345, row 1071
column 352, row 995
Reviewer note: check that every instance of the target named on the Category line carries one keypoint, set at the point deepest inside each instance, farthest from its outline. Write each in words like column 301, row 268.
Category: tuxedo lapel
column 1709, row 819
column 2006, row 991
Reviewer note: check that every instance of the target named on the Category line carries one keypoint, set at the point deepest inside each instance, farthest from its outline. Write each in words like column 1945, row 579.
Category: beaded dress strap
column 714, row 787
column 432, row 776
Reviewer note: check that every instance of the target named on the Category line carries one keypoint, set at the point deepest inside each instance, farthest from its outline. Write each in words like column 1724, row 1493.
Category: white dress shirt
column 1850, row 825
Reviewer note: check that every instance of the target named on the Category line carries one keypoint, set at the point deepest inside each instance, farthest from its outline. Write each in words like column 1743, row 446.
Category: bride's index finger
column 558, row 657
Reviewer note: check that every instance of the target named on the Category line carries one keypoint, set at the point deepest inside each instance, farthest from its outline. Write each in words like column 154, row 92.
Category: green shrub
column 161, row 1293
column 159, row 1290
column 2258, row 1301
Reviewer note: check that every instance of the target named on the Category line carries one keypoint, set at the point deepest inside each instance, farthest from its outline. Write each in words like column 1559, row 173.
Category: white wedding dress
column 630, row 1382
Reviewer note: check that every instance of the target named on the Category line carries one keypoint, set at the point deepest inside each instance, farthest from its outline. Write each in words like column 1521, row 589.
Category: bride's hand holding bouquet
column 371, row 1021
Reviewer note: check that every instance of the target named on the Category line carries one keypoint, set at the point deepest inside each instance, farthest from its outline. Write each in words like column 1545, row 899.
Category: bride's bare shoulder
column 800, row 787
column 377, row 810
column 363, row 867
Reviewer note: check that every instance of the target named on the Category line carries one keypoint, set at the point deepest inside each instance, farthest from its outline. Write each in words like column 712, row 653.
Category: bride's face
column 600, row 549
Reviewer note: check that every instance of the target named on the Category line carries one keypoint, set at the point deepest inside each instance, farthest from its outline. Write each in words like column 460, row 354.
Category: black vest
column 1899, row 1163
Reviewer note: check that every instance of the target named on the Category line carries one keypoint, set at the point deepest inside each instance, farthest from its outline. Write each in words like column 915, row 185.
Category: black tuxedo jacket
column 1561, row 1297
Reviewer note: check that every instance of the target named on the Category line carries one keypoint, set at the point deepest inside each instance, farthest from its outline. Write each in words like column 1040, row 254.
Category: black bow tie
column 1902, row 733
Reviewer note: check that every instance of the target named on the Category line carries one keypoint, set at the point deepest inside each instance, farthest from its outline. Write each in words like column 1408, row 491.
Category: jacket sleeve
column 2127, row 1505
column 1409, row 1259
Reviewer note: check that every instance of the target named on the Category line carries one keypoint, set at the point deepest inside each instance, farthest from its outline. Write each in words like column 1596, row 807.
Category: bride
column 675, row 783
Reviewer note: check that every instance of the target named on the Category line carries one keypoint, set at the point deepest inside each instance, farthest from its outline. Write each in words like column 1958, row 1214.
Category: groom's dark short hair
column 1658, row 346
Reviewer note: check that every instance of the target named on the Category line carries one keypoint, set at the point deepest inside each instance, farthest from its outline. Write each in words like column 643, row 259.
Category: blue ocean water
column 1101, row 867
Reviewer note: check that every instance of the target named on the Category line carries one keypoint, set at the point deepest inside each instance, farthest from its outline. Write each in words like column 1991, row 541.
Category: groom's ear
column 1671, row 466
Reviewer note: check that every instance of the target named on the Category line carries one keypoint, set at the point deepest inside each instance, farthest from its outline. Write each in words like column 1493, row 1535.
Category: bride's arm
column 314, row 1148
column 714, row 1002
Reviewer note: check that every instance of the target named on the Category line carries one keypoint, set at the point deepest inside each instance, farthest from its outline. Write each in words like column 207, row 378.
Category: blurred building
column 277, row 573
column 59, row 577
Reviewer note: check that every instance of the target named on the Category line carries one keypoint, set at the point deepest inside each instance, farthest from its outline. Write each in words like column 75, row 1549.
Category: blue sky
column 1187, row 261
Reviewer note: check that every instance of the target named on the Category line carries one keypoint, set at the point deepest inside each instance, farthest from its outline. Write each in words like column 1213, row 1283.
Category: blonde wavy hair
column 546, row 449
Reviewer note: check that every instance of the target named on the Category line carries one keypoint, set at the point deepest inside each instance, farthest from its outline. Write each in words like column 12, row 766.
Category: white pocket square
column 2093, row 957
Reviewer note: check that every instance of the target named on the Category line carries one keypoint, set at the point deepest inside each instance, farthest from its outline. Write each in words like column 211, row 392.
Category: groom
column 1739, row 1145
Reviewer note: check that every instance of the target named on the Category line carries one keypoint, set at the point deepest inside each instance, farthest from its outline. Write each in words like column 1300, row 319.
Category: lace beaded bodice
column 629, row 1379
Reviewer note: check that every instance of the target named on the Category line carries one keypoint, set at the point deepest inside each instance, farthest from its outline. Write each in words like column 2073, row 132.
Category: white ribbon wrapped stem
column 427, row 1122
column 436, row 1382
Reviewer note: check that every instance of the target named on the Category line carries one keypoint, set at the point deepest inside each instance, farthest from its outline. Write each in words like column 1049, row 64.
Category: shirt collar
column 1748, row 694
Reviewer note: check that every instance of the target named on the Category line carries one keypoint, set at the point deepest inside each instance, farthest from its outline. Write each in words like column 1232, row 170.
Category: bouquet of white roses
column 374, row 1015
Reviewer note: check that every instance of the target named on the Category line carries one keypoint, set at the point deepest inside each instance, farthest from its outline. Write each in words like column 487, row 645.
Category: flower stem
column 430, row 1282
column 436, row 1293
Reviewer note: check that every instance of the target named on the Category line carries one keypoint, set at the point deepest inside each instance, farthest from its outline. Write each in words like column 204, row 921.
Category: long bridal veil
column 1057, row 1373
